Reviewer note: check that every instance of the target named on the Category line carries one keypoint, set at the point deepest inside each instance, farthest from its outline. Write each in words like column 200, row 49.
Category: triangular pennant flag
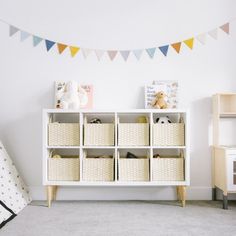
column 125, row 54
column 201, row 38
column 73, row 50
column 151, row 52
column 164, row 49
column 137, row 53
column 99, row 54
column 176, row 46
column 213, row 33
column 225, row 28
column 189, row 42
column 86, row 52
column 12, row 30
column 61, row 47
column 23, row 35
column 36, row 40
column 49, row 44
column 112, row 54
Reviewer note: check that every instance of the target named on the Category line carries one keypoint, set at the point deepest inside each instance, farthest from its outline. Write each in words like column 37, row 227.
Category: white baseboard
column 121, row 193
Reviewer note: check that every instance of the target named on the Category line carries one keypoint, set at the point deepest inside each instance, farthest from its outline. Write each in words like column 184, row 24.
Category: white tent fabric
column 14, row 195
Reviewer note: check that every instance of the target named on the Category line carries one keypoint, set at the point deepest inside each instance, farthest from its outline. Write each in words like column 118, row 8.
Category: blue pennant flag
column 164, row 49
column 36, row 40
column 151, row 52
column 49, row 44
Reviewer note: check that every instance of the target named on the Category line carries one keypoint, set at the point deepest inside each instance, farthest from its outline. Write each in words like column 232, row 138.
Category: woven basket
column 168, row 169
column 98, row 169
column 133, row 134
column 168, row 134
column 63, row 134
column 63, row 169
column 133, row 169
column 99, row 134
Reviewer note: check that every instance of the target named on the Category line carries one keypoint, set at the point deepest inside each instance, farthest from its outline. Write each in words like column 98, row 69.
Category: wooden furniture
column 223, row 157
column 117, row 171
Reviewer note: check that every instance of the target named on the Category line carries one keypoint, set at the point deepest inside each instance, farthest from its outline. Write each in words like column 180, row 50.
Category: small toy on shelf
column 159, row 102
column 163, row 120
column 95, row 121
column 142, row 119
column 73, row 97
column 130, row 155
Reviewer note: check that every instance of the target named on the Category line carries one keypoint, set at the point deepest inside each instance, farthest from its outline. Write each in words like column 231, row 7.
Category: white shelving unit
column 78, row 116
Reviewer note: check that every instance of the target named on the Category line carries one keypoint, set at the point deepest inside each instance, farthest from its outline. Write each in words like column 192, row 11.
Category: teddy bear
column 159, row 101
column 70, row 99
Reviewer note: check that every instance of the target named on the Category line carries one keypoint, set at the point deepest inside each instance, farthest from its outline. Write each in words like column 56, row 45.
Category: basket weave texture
column 63, row 134
column 168, row 169
column 98, row 169
column 133, row 169
column 168, row 134
column 63, row 169
column 133, row 134
column 99, row 134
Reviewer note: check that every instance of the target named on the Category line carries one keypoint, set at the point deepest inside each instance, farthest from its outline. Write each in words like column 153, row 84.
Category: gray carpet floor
column 123, row 218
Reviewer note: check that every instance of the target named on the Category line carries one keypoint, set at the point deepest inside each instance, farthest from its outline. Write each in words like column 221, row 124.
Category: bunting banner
column 151, row 52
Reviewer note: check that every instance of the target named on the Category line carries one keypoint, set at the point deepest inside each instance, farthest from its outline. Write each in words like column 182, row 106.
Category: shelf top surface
column 116, row 111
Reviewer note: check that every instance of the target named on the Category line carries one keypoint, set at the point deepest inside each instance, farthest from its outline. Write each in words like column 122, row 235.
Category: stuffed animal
column 130, row 155
column 95, row 121
column 159, row 101
column 163, row 120
column 142, row 119
column 70, row 99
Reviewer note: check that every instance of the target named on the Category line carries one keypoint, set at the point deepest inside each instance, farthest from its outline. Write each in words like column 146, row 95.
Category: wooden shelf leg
column 214, row 194
column 177, row 193
column 55, row 188
column 182, row 193
column 225, row 201
column 49, row 195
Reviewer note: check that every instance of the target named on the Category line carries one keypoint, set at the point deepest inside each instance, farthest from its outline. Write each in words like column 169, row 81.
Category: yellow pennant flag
column 73, row 50
column 189, row 42
column 61, row 47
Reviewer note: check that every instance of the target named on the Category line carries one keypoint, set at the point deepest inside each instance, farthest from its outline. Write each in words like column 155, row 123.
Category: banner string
column 112, row 53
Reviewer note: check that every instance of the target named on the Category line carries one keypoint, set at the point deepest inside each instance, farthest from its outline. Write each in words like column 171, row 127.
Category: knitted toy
column 70, row 99
column 159, row 101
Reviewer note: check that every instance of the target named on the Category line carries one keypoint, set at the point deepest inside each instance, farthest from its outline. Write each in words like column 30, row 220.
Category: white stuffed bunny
column 70, row 99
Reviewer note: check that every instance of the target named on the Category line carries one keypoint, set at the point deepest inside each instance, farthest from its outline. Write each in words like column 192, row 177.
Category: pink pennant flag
column 86, row 52
column 213, row 33
column 225, row 28
column 112, row 54
column 99, row 54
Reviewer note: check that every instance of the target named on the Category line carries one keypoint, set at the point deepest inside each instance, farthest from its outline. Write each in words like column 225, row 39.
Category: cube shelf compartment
column 120, row 132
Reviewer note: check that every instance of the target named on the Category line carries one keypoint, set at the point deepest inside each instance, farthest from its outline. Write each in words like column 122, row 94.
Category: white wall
column 27, row 74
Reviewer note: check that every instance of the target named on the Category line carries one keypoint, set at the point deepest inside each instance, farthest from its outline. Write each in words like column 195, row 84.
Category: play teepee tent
column 14, row 195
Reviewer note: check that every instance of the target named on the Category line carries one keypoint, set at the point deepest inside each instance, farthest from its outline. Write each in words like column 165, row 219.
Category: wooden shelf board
column 227, row 114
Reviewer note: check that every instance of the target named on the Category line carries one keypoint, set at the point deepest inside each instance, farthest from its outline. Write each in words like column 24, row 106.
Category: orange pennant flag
column 176, row 46
column 189, row 42
column 73, row 50
column 61, row 47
